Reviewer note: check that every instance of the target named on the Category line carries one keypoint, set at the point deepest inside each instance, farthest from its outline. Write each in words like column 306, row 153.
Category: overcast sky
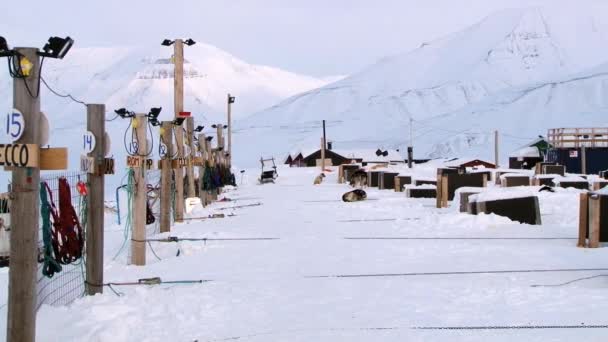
column 316, row 37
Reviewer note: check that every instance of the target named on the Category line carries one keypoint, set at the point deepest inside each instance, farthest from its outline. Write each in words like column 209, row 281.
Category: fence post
column 165, row 176
column 25, row 213
column 583, row 224
column 95, row 200
column 202, row 143
column 594, row 221
column 138, row 244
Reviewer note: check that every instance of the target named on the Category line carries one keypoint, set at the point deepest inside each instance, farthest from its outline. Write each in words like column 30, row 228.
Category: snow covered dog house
column 523, row 208
column 580, row 150
column 449, row 180
column 593, row 219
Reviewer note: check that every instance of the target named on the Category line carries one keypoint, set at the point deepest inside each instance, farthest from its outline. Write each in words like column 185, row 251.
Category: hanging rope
column 130, row 186
column 51, row 266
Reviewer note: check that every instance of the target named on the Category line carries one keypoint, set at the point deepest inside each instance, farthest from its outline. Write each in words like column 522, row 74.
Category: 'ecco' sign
column 19, row 155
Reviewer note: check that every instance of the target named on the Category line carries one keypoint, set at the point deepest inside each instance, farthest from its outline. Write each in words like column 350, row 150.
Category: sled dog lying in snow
column 319, row 179
column 354, row 196
column 358, row 179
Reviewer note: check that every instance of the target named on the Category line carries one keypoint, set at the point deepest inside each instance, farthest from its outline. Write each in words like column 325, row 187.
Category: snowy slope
column 481, row 70
column 140, row 78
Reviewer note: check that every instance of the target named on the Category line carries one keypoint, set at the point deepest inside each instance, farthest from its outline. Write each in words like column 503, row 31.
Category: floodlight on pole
column 57, row 47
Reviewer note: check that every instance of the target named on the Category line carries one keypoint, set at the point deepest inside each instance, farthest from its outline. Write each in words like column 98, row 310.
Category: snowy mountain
column 517, row 71
column 141, row 78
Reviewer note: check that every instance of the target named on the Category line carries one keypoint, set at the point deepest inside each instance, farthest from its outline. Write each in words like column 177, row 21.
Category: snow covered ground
column 289, row 289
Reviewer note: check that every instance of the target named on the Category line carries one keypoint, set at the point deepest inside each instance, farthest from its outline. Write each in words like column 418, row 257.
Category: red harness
column 67, row 236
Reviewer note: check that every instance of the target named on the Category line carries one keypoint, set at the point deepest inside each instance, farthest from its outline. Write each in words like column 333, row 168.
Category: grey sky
column 316, row 37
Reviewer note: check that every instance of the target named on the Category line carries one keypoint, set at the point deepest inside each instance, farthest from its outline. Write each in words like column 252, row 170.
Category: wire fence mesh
column 69, row 284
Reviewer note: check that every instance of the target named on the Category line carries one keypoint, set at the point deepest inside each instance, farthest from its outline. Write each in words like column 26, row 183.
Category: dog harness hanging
column 67, row 237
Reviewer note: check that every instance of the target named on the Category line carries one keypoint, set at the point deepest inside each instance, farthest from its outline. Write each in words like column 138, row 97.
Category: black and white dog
column 356, row 195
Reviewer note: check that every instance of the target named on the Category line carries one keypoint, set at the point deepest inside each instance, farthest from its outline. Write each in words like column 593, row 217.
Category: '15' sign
column 15, row 125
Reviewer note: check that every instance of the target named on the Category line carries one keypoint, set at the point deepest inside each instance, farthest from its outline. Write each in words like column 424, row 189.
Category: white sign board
column 15, row 125
column 88, row 142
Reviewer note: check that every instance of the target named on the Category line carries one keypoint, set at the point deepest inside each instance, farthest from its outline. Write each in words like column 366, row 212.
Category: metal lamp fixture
column 167, row 42
column 178, row 121
column 123, row 113
column 189, row 42
column 57, row 47
column 199, row 129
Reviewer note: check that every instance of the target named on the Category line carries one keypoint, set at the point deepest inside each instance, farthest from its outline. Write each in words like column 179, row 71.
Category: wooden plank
column 583, row 223
column 19, row 156
column 55, row 158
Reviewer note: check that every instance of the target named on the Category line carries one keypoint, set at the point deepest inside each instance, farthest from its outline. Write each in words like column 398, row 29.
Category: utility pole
column 140, row 194
column 202, row 147
column 166, row 129
column 410, row 149
column 230, row 102
column 96, row 122
column 323, row 146
column 496, row 162
column 178, row 101
column 221, row 148
column 25, row 213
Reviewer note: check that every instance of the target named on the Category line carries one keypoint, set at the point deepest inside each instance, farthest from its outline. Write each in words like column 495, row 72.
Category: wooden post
column 212, row 195
column 25, row 214
column 190, row 169
column 230, row 101
column 583, row 160
column 594, row 221
column 96, row 122
column 323, row 146
column 444, row 191
column 165, row 177
column 178, row 101
column 583, row 221
column 496, row 158
column 202, row 147
column 138, row 234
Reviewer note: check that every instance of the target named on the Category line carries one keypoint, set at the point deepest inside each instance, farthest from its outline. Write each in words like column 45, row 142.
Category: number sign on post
column 15, row 125
column 88, row 142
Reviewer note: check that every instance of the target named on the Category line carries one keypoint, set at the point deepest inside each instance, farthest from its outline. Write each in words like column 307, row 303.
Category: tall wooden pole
column 496, row 158
column 229, row 131
column 165, row 177
column 323, row 146
column 221, row 147
column 25, row 214
column 410, row 148
column 140, row 194
column 178, row 100
column 189, row 168
column 95, row 200
column 202, row 147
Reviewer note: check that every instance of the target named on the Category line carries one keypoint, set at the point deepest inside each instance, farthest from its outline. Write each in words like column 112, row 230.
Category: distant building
column 528, row 155
column 469, row 163
column 580, row 150
column 309, row 158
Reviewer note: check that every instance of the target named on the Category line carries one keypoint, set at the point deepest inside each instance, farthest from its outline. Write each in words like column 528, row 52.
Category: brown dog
column 319, row 179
